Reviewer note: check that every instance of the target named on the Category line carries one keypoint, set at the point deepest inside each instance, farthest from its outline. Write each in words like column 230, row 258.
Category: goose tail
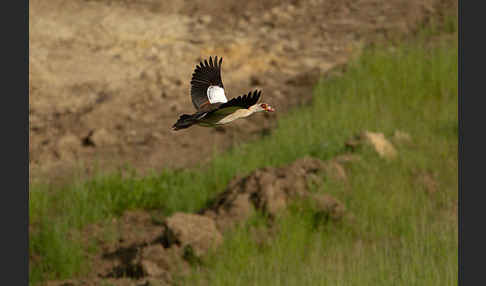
column 184, row 121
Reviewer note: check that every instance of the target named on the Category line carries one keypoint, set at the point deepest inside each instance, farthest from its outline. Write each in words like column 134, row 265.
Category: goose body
column 209, row 98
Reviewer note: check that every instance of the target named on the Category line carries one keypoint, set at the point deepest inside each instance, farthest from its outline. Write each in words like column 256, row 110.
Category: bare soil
column 108, row 78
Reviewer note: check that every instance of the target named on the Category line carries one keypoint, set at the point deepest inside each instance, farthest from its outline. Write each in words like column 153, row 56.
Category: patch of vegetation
column 402, row 235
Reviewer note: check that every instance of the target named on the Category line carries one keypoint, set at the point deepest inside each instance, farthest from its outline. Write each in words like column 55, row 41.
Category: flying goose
column 209, row 99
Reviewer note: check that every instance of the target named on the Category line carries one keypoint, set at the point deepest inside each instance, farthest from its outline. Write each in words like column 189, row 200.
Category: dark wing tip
column 217, row 63
column 211, row 62
column 257, row 95
column 220, row 62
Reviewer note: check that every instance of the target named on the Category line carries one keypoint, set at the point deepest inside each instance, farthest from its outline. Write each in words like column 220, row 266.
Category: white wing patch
column 216, row 94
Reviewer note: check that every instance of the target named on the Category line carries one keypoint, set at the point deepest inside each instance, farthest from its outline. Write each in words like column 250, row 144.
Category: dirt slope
column 108, row 78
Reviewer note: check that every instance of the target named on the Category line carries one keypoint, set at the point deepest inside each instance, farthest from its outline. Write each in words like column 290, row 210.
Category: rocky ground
column 147, row 250
column 142, row 248
column 108, row 78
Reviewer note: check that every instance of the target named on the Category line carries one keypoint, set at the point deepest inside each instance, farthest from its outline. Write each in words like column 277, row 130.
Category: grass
column 402, row 234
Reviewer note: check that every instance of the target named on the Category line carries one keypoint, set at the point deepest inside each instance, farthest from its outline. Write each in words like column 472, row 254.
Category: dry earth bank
column 108, row 78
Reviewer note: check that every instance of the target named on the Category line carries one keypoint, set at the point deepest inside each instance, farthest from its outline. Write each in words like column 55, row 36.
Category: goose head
column 261, row 107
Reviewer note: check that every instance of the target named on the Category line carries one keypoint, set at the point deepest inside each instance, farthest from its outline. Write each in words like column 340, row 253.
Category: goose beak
column 269, row 109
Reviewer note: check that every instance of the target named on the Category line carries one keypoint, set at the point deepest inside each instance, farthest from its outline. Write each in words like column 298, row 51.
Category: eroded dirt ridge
column 150, row 253
column 107, row 78
column 157, row 251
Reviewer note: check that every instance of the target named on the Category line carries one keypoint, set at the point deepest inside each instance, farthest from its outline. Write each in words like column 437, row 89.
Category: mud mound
column 270, row 190
column 108, row 78
column 137, row 250
column 190, row 230
column 147, row 251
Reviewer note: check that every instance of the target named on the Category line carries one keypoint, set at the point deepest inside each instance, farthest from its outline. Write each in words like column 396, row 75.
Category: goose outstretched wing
column 243, row 101
column 206, row 84
column 240, row 102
